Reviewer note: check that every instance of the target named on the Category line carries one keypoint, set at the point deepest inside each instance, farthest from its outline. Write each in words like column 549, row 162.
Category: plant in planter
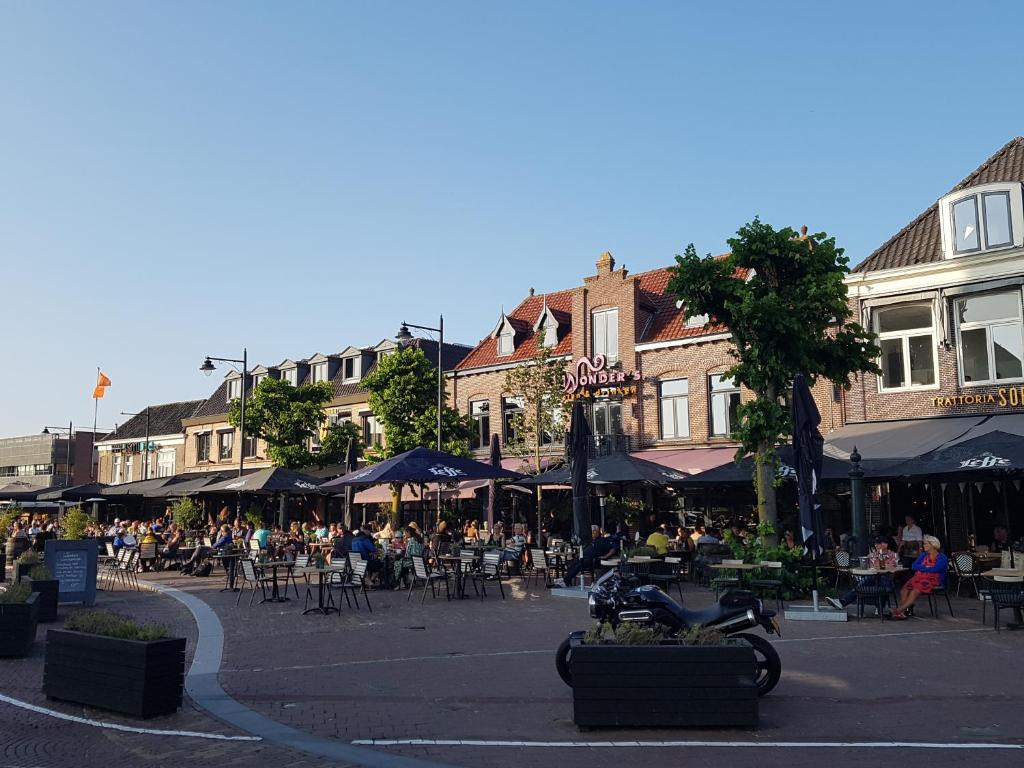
column 636, row 676
column 18, row 616
column 74, row 523
column 6, row 522
column 188, row 514
column 42, row 581
column 26, row 561
column 107, row 661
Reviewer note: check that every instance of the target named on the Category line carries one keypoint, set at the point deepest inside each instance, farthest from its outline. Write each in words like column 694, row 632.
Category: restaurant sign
column 591, row 377
column 1004, row 397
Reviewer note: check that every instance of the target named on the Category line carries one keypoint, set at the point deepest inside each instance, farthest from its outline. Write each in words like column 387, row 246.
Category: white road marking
column 118, row 726
column 678, row 744
column 776, row 641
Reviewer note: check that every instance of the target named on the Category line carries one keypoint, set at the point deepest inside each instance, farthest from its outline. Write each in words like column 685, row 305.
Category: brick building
column 150, row 444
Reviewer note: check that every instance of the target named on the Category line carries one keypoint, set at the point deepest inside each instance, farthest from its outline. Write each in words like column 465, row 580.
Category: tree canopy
column 545, row 413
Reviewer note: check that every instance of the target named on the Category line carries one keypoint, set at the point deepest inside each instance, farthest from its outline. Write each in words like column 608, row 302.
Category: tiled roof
column 920, row 242
column 163, row 420
column 523, row 317
column 216, row 404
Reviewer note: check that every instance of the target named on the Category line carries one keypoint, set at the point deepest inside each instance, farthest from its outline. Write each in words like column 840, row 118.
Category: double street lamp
column 207, row 368
column 67, row 468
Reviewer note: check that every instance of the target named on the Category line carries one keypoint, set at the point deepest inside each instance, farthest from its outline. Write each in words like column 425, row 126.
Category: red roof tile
column 523, row 317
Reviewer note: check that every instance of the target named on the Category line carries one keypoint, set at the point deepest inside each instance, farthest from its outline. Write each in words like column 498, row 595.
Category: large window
column 908, row 346
column 480, row 413
column 203, row 447
column 116, row 475
column 605, row 334
column 725, row 399
column 373, row 431
column 981, row 221
column 234, row 388
column 510, row 406
column 991, row 342
column 249, row 447
column 607, row 417
column 166, row 460
column 225, row 445
column 675, row 409
column 128, row 462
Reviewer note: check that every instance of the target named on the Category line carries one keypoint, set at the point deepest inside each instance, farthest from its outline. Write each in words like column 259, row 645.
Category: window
column 697, row 321
column 506, row 343
column 991, row 342
column 373, row 431
column 908, row 347
column 725, row 399
column 234, row 388
column 291, row 375
column 249, row 447
column 480, row 414
column 8, row 471
column 319, row 372
column 607, row 417
column 605, row 334
column 166, row 460
column 510, row 406
column 675, row 409
column 128, row 462
column 351, row 369
column 996, row 209
column 984, row 218
column 257, row 379
column 226, row 444
column 203, row 447
column 116, row 476
column 967, row 237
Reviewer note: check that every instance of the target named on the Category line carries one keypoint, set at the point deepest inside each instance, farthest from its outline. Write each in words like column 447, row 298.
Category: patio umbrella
column 807, row 450
column 268, row 481
column 492, row 486
column 351, row 465
column 742, row 472
column 612, row 468
column 420, row 465
column 74, row 493
column 579, row 452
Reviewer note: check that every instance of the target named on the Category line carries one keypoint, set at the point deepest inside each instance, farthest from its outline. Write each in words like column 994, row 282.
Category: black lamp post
column 207, row 368
column 403, row 338
column 68, row 429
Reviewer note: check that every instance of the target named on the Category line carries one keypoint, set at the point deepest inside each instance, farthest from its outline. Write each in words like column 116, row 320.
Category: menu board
column 71, row 568
column 73, row 563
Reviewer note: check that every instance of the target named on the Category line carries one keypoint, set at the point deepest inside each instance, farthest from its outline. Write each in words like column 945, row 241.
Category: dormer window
column 506, row 343
column 697, row 321
column 319, row 373
column 983, row 218
column 234, row 388
column 550, row 338
column 257, row 379
column 290, row 375
column 350, row 367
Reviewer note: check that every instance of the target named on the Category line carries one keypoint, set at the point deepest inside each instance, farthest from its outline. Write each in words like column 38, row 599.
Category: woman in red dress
column 929, row 574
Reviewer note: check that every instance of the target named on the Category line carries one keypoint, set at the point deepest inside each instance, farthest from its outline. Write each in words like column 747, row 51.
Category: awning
column 688, row 460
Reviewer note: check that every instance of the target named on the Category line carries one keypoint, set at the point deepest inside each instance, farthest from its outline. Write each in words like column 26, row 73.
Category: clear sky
column 184, row 178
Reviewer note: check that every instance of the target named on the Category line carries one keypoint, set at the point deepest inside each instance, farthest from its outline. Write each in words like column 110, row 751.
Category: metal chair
column 767, row 579
column 490, row 570
column 538, row 564
column 843, row 563
column 933, row 602
column 356, row 582
column 251, row 576
column 147, row 554
column 667, row 573
column 966, row 569
column 420, row 572
column 725, row 579
column 1003, row 592
column 872, row 594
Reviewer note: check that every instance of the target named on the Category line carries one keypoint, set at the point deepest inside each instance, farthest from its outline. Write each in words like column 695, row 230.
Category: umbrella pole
column 1006, row 517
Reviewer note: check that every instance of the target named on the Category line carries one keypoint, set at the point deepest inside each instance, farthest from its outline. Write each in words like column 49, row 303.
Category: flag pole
column 92, row 442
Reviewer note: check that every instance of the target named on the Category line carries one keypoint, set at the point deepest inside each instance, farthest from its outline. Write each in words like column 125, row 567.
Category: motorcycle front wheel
column 562, row 662
column 769, row 665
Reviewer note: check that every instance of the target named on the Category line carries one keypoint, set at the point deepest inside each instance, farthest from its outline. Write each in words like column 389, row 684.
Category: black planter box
column 663, row 685
column 21, row 570
column 18, row 626
column 48, row 590
column 3, row 565
column 134, row 677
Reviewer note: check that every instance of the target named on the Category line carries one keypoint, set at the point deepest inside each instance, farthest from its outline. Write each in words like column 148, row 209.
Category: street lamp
column 207, row 368
column 145, row 456
column 404, row 337
column 68, row 429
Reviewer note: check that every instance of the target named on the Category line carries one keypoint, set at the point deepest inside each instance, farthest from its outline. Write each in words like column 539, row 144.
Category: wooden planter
column 18, row 626
column 663, row 685
column 135, row 677
column 48, row 590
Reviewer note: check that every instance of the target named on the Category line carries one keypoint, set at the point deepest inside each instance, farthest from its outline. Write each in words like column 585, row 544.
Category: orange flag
column 97, row 393
column 102, row 382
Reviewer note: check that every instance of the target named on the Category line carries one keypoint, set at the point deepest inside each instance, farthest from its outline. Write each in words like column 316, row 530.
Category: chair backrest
column 353, row 558
column 122, row 555
column 444, row 547
column 358, row 571
column 301, row 561
column 254, row 545
column 131, row 561
column 110, row 549
column 147, row 551
column 492, row 560
column 963, row 562
column 468, row 559
column 419, row 566
column 248, row 569
column 842, row 558
column 207, row 541
column 539, row 558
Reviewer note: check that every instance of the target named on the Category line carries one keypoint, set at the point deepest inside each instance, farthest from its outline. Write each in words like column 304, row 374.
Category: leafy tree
column 334, row 444
column 781, row 295
column 403, row 396
column 74, row 523
column 286, row 417
column 545, row 412
column 188, row 514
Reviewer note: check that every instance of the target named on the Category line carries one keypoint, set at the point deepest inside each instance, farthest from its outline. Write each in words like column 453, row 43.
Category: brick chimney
column 605, row 264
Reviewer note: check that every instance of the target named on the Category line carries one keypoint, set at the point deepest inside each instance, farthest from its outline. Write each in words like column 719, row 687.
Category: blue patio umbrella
column 421, row 465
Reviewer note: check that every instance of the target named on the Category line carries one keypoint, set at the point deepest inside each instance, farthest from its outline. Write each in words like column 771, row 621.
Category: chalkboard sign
column 73, row 563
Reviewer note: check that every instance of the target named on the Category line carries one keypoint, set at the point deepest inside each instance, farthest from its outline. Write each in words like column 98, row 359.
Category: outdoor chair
column 252, row 577
column 667, row 573
column 110, row 553
column 112, row 566
column 301, row 561
column 768, row 578
column 933, row 601
column 124, row 568
column 966, row 569
column 356, row 582
column 538, row 564
column 1003, row 592
column 725, row 579
column 873, row 594
column 639, row 571
column 254, row 547
column 490, row 570
column 420, row 572
column 147, row 555
column 842, row 562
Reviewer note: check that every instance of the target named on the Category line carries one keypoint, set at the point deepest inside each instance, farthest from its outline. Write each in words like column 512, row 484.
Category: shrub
column 74, row 523
column 109, row 624
column 188, row 514
column 7, row 519
column 15, row 593
column 40, row 573
column 254, row 516
column 629, row 633
column 29, row 557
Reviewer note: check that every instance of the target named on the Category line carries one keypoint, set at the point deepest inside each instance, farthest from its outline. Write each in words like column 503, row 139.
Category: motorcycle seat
column 711, row 614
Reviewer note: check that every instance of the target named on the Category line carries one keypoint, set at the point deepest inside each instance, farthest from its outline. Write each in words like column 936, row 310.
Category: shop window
column 607, row 418
column 675, row 409
column 225, row 445
column 510, row 406
column 203, row 447
column 480, row 414
column 725, row 400
column 605, row 334
column 991, row 343
column 907, row 341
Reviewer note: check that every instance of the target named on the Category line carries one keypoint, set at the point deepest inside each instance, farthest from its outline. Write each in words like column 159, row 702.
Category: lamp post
column 145, row 444
column 67, row 467
column 403, row 338
column 860, row 526
column 207, row 368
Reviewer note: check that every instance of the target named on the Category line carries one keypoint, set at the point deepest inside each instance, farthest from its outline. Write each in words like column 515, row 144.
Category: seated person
column 881, row 558
column 659, row 541
column 364, row 546
column 1000, row 539
column 201, row 553
column 172, row 540
column 514, row 545
column 929, row 574
column 342, row 544
column 601, row 548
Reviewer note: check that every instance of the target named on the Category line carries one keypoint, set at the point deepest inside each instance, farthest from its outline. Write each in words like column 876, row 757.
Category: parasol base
column 808, row 613
column 570, row 592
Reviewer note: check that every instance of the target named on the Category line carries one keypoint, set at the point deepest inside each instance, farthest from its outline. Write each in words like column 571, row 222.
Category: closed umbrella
column 807, row 452
column 351, row 465
column 579, row 452
column 492, row 486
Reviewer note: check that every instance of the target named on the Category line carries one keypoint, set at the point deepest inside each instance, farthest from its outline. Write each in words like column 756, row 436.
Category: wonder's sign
column 593, row 378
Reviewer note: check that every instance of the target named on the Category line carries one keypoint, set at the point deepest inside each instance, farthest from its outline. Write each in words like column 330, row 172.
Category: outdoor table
column 742, row 568
column 1006, row 573
column 230, row 562
column 460, row 580
column 877, row 571
column 322, row 574
column 275, row 594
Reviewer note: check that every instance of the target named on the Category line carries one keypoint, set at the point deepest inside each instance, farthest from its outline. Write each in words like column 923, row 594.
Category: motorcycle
column 616, row 599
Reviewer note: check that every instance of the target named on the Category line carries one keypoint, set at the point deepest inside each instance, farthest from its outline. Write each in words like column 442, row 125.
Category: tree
column 334, row 444
column 545, row 412
column 403, row 397
column 782, row 297
column 286, row 417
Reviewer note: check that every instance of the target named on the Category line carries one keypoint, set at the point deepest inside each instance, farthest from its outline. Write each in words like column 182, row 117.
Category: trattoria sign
column 1004, row 397
column 591, row 377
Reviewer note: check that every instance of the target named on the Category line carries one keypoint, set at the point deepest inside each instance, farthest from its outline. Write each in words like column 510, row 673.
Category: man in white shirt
column 910, row 539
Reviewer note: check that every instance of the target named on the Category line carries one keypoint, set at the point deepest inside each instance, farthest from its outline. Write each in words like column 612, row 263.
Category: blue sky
column 187, row 178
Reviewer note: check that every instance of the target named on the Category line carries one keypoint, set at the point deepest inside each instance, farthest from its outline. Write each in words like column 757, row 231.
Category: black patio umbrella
column 74, row 493
column 492, row 486
column 351, row 465
column 420, row 465
column 268, row 481
column 807, row 450
column 742, row 472
column 579, row 453
column 612, row 468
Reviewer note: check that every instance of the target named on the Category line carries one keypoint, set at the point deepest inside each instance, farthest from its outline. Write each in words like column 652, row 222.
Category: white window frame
column 476, row 417
column 506, row 344
column 987, row 325
column 318, row 372
column 601, row 324
column 129, row 465
column 291, row 375
column 979, row 193
column 117, row 470
column 234, row 388
column 166, row 462
column 258, row 379
column 209, row 445
column 677, row 401
column 905, row 336
column 355, row 369
column 230, row 435
column 724, row 392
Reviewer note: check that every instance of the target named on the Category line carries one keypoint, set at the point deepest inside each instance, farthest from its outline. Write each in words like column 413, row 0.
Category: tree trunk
column 764, row 479
column 396, row 503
